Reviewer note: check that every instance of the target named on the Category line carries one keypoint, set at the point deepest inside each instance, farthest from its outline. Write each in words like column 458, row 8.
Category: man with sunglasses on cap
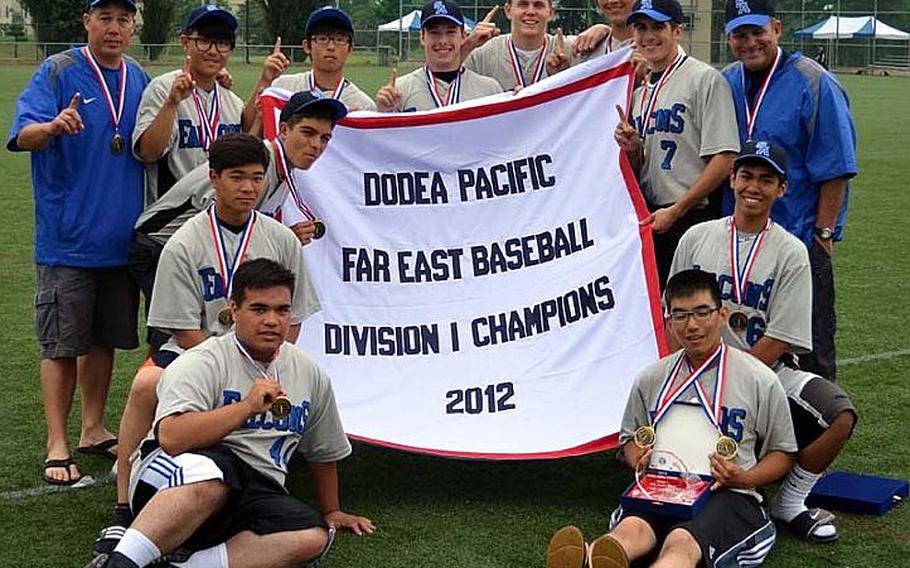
column 184, row 111
column 305, row 129
column 442, row 81
column 791, row 100
column 76, row 116
column 766, row 284
column 329, row 41
column 681, row 130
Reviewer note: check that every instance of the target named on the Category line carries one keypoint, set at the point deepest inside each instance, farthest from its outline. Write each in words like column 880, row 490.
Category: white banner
column 487, row 290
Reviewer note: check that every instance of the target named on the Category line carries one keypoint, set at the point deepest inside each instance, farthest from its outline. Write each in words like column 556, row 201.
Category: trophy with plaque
column 676, row 482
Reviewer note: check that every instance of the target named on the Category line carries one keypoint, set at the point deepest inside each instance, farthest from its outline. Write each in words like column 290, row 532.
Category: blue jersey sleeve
column 832, row 145
column 39, row 102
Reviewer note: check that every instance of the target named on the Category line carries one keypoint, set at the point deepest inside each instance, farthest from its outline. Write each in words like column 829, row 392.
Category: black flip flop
column 804, row 525
column 100, row 449
column 63, row 464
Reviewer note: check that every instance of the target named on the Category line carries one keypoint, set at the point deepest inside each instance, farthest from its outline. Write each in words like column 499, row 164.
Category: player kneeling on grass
column 732, row 529
column 231, row 414
column 769, row 296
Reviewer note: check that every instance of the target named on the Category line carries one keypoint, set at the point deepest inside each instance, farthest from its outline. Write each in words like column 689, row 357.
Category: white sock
column 138, row 548
column 791, row 498
column 215, row 557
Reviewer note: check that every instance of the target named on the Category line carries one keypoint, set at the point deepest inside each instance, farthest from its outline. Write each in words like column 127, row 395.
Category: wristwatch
column 824, row 233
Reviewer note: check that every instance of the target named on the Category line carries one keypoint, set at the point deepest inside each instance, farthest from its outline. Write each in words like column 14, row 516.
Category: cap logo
column 763, row 149
column 317, row 94
column 742, row 7
column 647, row 5
column 211, row 8
column 440, row 8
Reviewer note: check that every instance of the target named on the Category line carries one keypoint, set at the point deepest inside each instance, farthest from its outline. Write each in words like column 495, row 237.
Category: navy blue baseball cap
column 311, row 99
column 747, row 13
column 211, row 16
column 441, row 10
column 128, row 4
column 657, row 10
column 767, row 153
column 336, row 16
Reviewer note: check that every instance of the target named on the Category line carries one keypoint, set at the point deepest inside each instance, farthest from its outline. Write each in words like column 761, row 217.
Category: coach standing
column 791, row 100
column 76, row 116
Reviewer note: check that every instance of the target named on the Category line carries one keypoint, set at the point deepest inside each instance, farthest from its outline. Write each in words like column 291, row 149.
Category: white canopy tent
column 863, row 27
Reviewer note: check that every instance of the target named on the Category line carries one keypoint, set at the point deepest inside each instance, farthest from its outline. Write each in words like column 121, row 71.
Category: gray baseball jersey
column 189, row 289
column 608, row 45
column 194, row 193
column 351, row 95
column 184, row 151
column 755, row 409
column 493, row 59
column 216, row 374
column 415, row 92
column 693, row 118
column 778, row 299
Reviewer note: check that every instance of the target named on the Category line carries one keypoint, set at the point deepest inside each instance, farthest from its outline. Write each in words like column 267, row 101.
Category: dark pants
column 144, row 253
column 822, row 360
column 665, row 243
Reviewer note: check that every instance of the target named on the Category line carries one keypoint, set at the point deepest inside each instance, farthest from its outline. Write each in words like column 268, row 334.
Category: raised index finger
column 74, row 102
column 277, row 49
column 491, row 15
column 621, row 113
column 187, row 66
column 560, row 41
column 393, row 76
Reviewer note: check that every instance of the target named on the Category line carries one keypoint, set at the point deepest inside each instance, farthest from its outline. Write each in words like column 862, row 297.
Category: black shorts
column 256, row 503
column 732, row 530
column 80, row 308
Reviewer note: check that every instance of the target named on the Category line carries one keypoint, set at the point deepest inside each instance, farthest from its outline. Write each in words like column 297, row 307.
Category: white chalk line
column 88, row 481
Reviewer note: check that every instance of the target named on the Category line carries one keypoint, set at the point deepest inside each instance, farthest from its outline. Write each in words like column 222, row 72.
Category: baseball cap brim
column 214, row 16
column 760, row 20
column 653, row 14
column 436, row 17
column 329, row 14
column 337, row 108
column 130, row 4
column 754, row 158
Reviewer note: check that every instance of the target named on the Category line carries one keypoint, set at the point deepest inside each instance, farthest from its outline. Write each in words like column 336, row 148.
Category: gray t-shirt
column 351, row 95
column 216, row 374
column 756, row 411
column 493, row 59
column 778, row 300
column 416, row 96
column 692, row 119
column 189, row 290
column 184, row 151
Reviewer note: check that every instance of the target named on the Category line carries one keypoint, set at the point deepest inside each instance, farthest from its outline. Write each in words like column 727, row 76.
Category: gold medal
column 281, row 407
column 726, row 448
column 320, row 229
column 738, row 321
column 117, row 144
column 644, row 437
column 224, row 317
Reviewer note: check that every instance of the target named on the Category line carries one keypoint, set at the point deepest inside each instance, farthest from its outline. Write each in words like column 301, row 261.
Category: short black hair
column 314, row 111
column 236, row 150
column 259, row 274
column 738, row 164
column 690, row 282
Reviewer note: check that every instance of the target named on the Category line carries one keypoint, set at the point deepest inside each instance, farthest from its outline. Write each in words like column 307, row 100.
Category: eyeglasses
column 324, row 39
column 701, row 313
column 205, row 44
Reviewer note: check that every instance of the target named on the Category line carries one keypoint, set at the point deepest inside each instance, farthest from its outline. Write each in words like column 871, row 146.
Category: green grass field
column 480, row 514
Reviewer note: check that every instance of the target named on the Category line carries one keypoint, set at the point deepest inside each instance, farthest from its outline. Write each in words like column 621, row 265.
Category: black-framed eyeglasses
column 205, row 44
column 701, row 313
column 326, row 39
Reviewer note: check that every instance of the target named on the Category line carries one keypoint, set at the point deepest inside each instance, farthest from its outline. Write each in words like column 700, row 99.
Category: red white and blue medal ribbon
column 226, row 268
column 668, row 394
column 454, row 94
column 752, row 113
column 336, row 93
column 539, row 66
column 645, row 109
column 713, row 407
column 116, row 112
column 741, row 272
column 208, row 119
column 608, row 43
column 262, row 370
column 286, row 171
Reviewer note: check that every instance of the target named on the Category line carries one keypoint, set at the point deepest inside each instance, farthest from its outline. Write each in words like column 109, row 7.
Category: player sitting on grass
column 732, row 525
column 765, row 279
column 231, row 414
